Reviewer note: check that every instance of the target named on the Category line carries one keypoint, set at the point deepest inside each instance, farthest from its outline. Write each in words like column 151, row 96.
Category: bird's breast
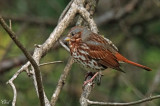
column 81, row 56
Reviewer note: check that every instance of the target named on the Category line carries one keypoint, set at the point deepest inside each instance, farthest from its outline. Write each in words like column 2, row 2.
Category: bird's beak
column 67, row 39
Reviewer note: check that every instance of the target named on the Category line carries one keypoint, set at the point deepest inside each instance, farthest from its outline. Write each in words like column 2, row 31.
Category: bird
column 95, row 52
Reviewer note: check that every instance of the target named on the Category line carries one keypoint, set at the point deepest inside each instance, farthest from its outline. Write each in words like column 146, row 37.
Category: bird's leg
column 89, row 75
column 90, row 80
column 98, row 78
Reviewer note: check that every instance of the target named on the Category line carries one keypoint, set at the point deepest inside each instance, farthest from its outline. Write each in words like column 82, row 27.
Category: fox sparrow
column 95, row 52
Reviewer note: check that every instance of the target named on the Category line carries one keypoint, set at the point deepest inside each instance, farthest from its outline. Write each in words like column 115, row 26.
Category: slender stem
column 61, row 81
column 29, row 57
column 53, row 62
column 124, row 104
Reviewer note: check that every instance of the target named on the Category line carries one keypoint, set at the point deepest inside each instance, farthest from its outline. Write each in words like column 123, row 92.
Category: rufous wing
column 104, row 57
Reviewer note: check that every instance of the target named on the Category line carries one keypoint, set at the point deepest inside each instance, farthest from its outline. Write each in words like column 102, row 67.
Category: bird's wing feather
column 98, row 40
column 103, row 56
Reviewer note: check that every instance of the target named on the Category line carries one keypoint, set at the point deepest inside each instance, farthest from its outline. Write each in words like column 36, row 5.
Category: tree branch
column 53, row 62
column 63, row 45
column 25, row 67
column 86, row 15
column 29, row 57
column 85, row 94
column 124, row 104
column 61, row 81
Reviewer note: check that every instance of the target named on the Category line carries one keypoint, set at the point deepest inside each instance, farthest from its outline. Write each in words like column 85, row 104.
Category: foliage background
column 136, row 34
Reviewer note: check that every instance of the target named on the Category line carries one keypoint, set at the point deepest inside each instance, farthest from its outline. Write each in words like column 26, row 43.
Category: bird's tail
column 123, row 59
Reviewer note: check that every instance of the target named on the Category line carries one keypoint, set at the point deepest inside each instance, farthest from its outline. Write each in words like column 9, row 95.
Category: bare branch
column 61, row 81
column 64, row 45
column 29, row 57
column 54, row 62
column 124, row 104
column 90, row 6
column 13, row 86
column 14, row 92
column 85, row 94
column 86, row 15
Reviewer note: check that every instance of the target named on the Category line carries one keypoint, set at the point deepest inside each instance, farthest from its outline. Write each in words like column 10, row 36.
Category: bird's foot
column 90, row 80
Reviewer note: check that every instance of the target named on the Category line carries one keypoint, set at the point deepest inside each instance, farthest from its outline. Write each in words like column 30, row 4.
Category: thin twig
column 53, row 62
column 14, row 92
column 12, row 84
column 61, row 81
column 86, row 15
column 29, row 57
column 124, row 104
column 65, row 46
column 85, row 94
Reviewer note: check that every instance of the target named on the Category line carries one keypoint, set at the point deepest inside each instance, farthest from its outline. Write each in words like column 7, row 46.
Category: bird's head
column 78, row 34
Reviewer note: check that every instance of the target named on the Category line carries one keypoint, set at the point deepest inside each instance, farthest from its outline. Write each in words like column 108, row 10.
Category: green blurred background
column 135, row 32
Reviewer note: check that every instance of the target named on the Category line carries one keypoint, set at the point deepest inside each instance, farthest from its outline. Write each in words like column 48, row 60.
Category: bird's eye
column 72, row 34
